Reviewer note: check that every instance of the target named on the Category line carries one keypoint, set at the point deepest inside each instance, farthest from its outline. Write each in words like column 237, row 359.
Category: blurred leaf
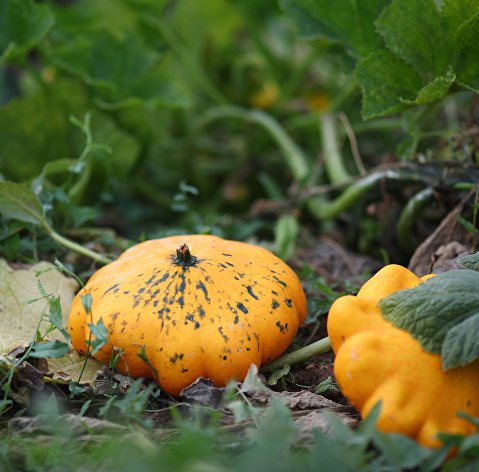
column 123, row 72
column 23, row 23
column 468, row 226
column 38, row 146
column 275, row 433
column 125, row 149
column 252, row 382
column 197, row 34
column 400, row 451
column 467, row 49
column 119, row 17
column 327, row 385
column 349, row 22
column 334, row 454
column 10, row 245
column 21, row 317
column 18, row 202
column 387, row 82
column 26, row 145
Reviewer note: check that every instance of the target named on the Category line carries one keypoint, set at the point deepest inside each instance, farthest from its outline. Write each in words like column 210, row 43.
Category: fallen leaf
column 309, row 420
column 426, row 255
column 70, row 366
column 19, row 319
column 107, row 380
column 303, row 400
column 51, row 425
column 204, row 392
column 29, row 376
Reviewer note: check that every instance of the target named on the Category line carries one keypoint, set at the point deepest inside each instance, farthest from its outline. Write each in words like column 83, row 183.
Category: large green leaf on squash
column 442, row 314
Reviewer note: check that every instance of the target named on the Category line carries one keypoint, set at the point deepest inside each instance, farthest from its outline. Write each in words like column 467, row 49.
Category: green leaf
column 123, row 72
column 276, row 433
column 23, row 23
column 28, row 144
column 278, row 374
column 457, row 12
column 470, row 262
column 400, row 451
column 442, row 314
column 55, row 315
column 350, row 22
column 333, row 454
column 466, row 64
column 417, row 33
column 116, row 16
column 37, row 147
column 100, row 333
column 327, row 385
column 86, row 301
column 252, row 381
column 435, row 90
column 18, row 202
column 461, row 345
column 50, row 349
column 387, row 82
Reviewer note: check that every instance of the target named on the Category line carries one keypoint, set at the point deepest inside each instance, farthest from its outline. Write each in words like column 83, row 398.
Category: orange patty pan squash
column 375, row 361
column 199, row 306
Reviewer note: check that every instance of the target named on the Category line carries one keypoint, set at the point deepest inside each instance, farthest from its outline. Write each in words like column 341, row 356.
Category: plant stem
column 323, row 345
column 77, row 247
column 324, row 210
column 333, row 160
column 405, row 224
column 293, row 155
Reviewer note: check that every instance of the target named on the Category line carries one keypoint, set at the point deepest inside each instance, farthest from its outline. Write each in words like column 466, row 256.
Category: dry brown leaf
column 20, row 319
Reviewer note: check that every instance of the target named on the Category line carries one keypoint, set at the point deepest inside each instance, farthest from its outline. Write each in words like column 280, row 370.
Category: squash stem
column 323, row 345
column 183, row 256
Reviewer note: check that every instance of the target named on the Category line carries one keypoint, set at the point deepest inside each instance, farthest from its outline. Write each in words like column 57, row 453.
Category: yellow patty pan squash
column 197, row 306
column 375, row 361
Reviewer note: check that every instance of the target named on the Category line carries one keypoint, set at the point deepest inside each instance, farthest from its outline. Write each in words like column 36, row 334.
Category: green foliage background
column 122, row 120
column 198, row 110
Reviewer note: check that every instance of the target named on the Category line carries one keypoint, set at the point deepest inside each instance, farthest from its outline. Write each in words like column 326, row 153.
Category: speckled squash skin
column 375, row 361
column 235, row 305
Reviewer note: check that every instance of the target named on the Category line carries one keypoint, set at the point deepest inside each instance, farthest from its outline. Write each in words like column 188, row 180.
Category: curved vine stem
column 333, row 159
column 323, row 210
column 293, row 155
column 319, row 347
column 78, row 248
column 412, row 209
